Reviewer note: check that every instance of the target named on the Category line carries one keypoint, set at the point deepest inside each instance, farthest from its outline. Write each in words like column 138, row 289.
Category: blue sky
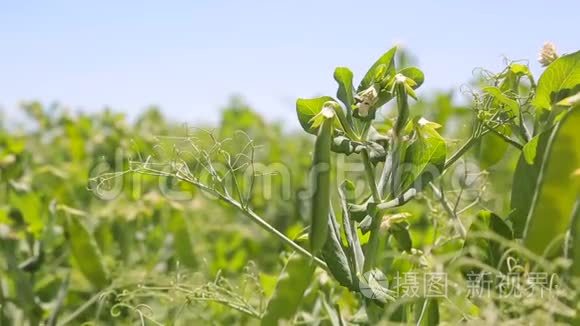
column 189, row 56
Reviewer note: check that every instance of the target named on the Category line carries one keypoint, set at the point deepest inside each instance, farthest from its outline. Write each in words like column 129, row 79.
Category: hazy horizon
column 189, row 58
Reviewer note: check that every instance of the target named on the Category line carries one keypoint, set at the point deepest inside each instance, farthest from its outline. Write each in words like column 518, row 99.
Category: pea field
column 389, row 206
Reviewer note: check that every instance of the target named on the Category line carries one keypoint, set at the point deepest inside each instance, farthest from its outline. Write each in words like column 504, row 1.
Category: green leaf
column 400, row 232
column 556, row 193
column 85, row 251
column 343, row 77
column 373, row 285
column 560, row 80
column 484, row 249
column 424, row 157
column 335, row 257
column 530, row 149
column 415, row 74
column 492, row 147
column 376, row 152
column 501, row 98
column 30, row 206
column 385, row 64
column 308, row 109
column 519, row 69
column 524, row 182
column 290, row 288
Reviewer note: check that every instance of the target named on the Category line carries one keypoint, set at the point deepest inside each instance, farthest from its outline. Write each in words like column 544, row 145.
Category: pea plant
column 362, row 239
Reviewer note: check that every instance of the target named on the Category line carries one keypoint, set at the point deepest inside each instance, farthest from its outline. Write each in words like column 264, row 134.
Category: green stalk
column 255, row 218
column 505, row 138
column 402, row 118
column 457, row 155
column 441, row 197
column 270, row 229
column 372, row 246
column 463, row 149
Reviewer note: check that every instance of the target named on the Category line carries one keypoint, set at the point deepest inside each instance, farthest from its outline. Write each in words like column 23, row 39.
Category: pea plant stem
column 255, row 218
column 373, row 243
column 399, row 201
column 370, row 174
column 439, row 194
column 505, row 138
column 463, row 149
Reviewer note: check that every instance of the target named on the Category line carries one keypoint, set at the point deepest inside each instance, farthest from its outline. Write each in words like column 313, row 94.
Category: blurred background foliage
column 177, row 261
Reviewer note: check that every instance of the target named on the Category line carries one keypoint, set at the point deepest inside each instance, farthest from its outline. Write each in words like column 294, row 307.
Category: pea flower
column 547, row 54
column 366, row 100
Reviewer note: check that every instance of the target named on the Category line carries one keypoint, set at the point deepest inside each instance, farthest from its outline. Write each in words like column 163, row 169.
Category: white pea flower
column 400, row 78
column 366, row 99
column 547, row 54
column 388, row 220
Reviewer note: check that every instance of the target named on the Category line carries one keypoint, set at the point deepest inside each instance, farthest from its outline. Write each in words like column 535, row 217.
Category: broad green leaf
column 384, row 63
column 85, row 251
column 415, row 74
column 524, row 181
column 182, row 242
column 292, row 283
column 560, row 80
column 308, row 109
column 400, row 233
column 530, row 149
column 492, row 147
column 519, row 69
column 424, row 157
column 343, row 77
column 555, row 193
column 30, row 206
column 501, row 98
column 427, row 312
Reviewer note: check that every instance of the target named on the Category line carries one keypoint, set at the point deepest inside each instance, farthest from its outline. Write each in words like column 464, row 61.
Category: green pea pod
column 290, row 288
column 335, row 257
column 321, row 182
column 85, row 251
column 402, row 104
